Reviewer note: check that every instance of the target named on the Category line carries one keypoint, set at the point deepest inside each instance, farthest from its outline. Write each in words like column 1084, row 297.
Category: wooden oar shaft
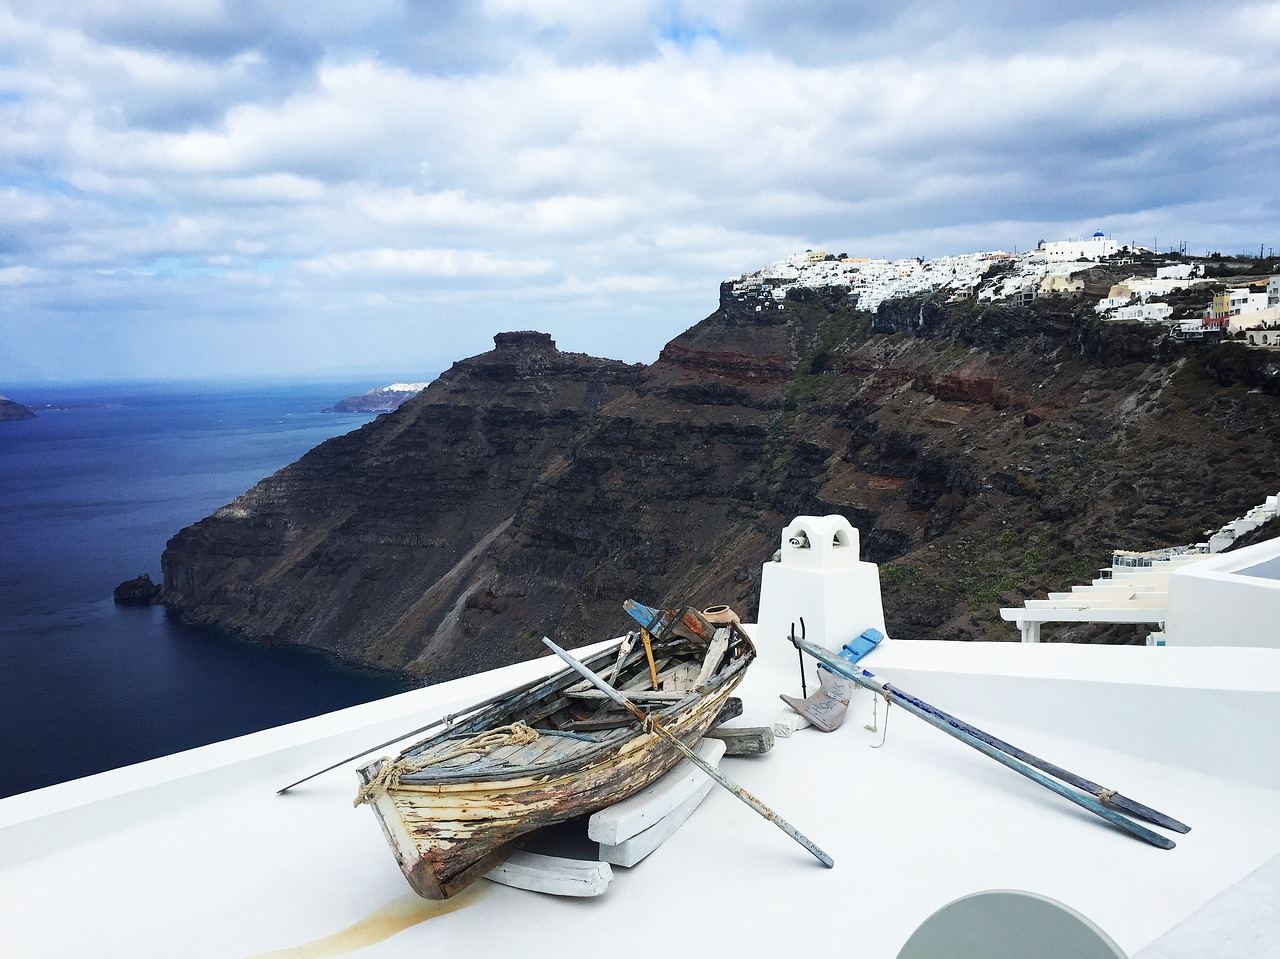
column 673, row 739
column 918, row 708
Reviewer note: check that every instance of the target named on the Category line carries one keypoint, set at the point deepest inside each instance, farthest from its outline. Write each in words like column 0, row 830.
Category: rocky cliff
column 9, row 410
column 986, row 454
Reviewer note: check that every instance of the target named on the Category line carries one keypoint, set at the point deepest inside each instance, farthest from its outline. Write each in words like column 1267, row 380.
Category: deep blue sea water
column 90, row 491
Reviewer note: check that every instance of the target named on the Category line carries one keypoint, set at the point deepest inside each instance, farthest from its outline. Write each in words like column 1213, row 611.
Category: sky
column 269, row 188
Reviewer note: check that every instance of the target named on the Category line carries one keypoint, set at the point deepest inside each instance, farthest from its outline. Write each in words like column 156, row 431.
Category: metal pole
column 652, row 723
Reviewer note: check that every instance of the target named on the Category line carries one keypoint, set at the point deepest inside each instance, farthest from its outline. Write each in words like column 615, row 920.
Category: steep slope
column 986, row 454
column 372, row 543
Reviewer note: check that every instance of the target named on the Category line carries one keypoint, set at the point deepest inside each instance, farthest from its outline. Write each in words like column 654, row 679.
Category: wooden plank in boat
column 547, row 748
column 715, row 653
column 605, row 722
column 631, row 851
column 552, row 874
column 635, row 695
column 636, row 813
column 682, row 679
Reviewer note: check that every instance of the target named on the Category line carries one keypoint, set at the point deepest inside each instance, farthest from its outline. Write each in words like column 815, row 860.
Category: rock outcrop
column 986, row 454
column 9, row 410
column 376, row 546
column 139, row 591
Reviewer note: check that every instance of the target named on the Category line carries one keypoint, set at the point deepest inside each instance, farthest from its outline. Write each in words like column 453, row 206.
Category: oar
column 1108, row 797
column 926, row 712
column 522, row 688
column 651, row 722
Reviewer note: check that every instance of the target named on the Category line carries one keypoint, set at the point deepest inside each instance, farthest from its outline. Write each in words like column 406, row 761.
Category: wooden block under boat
column 743, row 740
column 553, row 874
column 636, row 813
column 631, row 851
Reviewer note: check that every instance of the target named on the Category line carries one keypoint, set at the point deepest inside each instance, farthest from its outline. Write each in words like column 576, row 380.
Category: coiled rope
column 392, row 771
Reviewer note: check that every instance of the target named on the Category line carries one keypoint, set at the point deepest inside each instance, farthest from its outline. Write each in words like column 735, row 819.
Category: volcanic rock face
column 373, row 545
column 527, row 492
column 139, row 591
column 9, row 410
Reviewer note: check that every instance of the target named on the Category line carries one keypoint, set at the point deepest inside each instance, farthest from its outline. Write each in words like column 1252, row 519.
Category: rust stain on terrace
column 381, row 924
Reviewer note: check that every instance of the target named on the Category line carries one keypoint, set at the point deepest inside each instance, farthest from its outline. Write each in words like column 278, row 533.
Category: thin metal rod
column 652, row 722
column 804, row 689
column 919, row 708
column 514, row 691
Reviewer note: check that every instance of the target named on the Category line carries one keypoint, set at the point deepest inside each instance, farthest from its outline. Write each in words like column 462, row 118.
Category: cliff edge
column 987, row 453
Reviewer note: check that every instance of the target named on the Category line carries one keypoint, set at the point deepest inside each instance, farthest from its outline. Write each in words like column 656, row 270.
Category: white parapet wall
column 1229, row 599
column 818, row 577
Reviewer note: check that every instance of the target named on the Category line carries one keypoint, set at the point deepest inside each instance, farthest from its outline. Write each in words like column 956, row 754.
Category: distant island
column 9, row 410
column 380, row 400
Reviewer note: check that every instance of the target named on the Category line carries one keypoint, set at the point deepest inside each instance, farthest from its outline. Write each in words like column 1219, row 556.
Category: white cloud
column 420, row 172
column 428, row 262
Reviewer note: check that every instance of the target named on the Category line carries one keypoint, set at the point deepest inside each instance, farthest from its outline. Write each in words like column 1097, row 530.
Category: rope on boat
column 392, row 771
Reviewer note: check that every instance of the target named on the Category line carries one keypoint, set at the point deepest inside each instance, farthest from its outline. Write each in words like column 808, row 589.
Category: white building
column 1268, row 318
column 1236, row 302
column 1143, row 313
column 1112, row 302
column 1093, row 248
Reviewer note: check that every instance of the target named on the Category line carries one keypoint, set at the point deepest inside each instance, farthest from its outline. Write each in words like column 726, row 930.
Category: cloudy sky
column 270, row 187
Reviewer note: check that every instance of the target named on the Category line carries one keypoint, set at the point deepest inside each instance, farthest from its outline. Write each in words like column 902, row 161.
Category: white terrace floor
column 195, row 855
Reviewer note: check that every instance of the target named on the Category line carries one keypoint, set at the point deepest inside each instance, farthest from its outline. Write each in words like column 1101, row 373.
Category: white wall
column 1230, row 599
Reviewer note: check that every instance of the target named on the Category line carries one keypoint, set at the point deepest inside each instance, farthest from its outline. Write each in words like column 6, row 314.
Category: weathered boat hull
column 449, row 833
column 447, row 836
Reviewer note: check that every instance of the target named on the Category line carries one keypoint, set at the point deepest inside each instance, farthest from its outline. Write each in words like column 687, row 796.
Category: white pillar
column 818, row 577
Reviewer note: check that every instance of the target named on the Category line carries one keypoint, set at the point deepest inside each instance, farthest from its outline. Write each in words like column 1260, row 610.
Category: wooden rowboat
column 457, row 803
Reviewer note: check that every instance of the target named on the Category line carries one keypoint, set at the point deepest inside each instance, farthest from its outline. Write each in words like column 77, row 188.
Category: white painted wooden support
column 631, row 851
column 552, row 874
column 639, row 812
column 788, row 722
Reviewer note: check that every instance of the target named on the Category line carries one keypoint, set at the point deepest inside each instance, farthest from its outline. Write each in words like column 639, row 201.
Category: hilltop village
column 1194, row 297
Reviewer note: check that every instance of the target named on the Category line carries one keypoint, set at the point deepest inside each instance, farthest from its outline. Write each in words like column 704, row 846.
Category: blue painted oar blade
column 642, row 614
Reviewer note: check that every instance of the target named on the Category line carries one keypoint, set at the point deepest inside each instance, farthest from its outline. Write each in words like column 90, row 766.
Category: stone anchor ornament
column 827, row 706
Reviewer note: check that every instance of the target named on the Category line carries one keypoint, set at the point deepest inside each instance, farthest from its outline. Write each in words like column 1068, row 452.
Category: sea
column 90, row 491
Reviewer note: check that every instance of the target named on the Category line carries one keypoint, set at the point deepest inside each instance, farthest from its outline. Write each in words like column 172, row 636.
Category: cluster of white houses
column 1061, row 267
